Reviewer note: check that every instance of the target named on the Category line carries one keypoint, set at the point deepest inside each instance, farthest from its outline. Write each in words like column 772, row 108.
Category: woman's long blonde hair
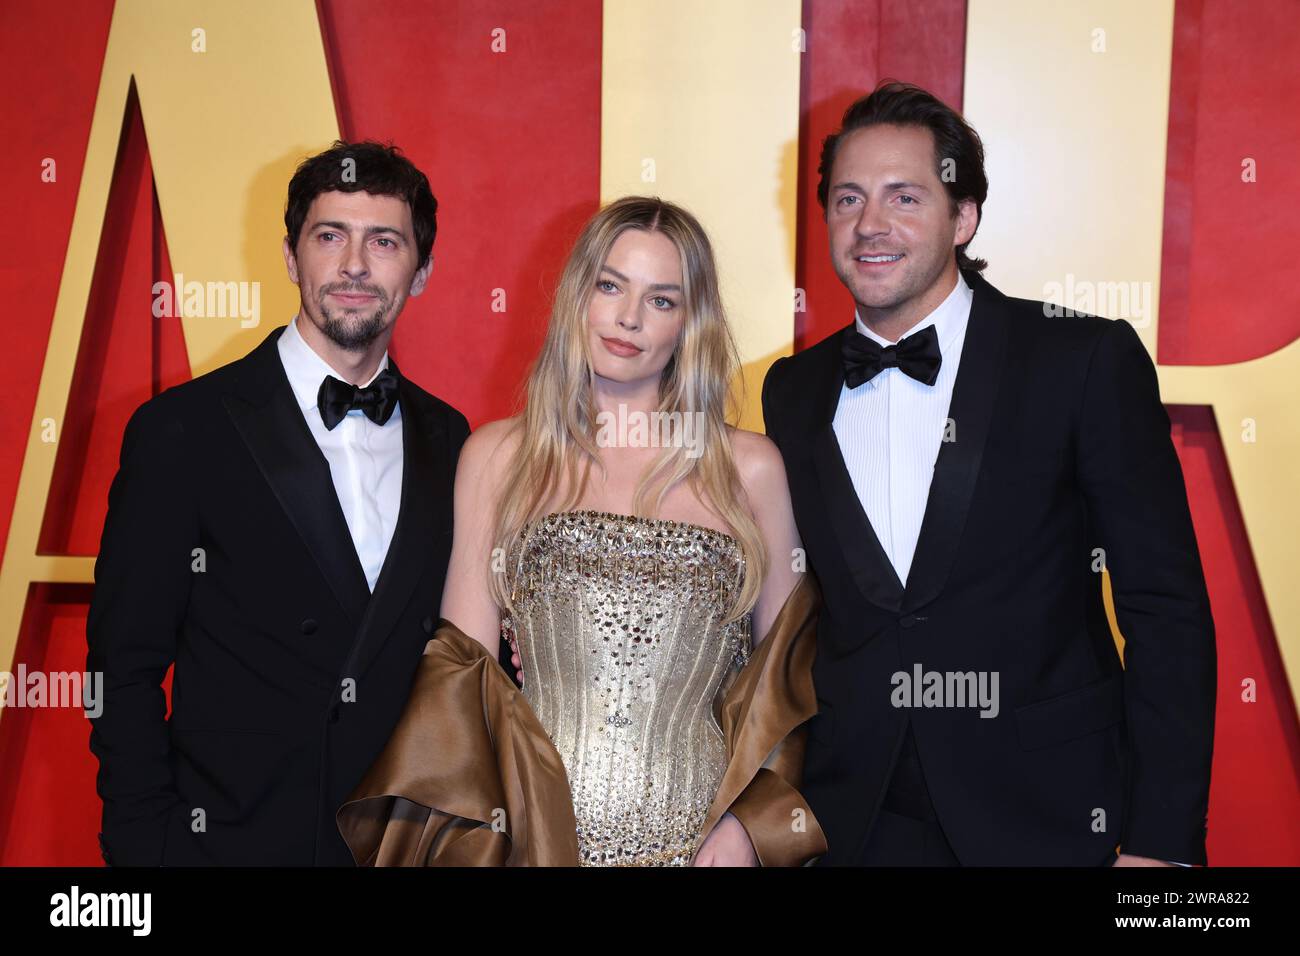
column 557, row 430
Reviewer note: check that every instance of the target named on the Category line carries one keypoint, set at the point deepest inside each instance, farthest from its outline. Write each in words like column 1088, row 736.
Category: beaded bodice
column 619, row 621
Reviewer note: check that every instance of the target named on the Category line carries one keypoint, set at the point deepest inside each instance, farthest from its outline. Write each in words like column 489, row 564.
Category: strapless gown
column 619, row 621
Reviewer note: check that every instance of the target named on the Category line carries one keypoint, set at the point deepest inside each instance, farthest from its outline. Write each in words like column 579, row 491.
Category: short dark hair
column 902, row 104
column 376, row 168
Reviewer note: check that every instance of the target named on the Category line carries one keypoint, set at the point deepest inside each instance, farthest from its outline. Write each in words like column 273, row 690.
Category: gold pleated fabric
column 470, row 778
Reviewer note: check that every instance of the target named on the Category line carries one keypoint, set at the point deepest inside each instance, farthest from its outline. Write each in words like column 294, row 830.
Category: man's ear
column 968, row 220
column 421, row 277
column 290, row 260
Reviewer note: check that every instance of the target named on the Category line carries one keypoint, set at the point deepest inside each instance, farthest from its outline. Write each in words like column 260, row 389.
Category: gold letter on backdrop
column 1102, row 201
column 705, row 96
column 226, row 126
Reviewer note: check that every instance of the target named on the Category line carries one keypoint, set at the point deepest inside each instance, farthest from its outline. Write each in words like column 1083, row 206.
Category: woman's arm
column 762, row 473
column 466, row 599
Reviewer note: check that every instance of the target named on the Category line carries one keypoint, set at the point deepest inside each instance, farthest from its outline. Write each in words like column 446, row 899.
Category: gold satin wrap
column 470, row 777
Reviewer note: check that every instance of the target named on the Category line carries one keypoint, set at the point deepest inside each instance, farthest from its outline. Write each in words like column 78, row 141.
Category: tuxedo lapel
column 957, row 468
column 267, row 416
column 863, row 554
column 426, row 483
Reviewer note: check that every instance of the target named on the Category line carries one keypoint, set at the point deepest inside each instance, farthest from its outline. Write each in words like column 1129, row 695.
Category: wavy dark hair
column 902, row 104
column 377, row 168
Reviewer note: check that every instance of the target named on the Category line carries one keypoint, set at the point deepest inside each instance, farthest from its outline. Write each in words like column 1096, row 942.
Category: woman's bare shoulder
column 492, row 443
column 758, row 460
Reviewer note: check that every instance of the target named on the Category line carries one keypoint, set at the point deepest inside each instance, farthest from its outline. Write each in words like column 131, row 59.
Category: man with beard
column 278, row 533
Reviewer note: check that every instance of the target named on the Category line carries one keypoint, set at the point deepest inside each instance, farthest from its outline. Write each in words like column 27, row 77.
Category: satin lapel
column 267, row 416
column 957, row 468
column 426, row 481
column 862, row 551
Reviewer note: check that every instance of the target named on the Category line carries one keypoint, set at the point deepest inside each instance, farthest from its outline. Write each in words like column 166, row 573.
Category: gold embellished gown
column 620, row 630
column 643, row 719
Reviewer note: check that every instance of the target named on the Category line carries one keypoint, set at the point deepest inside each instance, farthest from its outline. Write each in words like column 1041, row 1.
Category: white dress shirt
column 365, row 459
column 891, row 428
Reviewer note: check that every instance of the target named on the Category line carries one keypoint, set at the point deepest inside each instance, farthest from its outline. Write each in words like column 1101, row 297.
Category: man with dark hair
column 278, row 532
column 962, row 467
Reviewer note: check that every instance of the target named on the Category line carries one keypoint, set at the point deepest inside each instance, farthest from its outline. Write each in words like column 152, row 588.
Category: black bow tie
column 916, row 355
column 378, row 399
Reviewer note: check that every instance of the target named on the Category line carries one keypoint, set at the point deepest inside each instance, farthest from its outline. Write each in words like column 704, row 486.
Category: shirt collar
column 948, row 319
column 306, row 369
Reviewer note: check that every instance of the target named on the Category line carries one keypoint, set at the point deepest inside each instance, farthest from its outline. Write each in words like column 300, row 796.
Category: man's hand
column 1128, row 859
column 727, row 845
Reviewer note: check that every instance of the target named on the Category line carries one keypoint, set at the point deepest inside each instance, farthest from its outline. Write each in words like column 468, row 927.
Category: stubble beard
column 881, row 301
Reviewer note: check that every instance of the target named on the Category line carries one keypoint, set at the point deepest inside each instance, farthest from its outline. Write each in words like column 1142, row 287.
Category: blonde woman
column 642, row 554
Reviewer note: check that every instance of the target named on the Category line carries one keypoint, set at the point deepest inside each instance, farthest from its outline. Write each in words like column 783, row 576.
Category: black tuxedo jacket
column 1061, row 446
column 288, row 673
